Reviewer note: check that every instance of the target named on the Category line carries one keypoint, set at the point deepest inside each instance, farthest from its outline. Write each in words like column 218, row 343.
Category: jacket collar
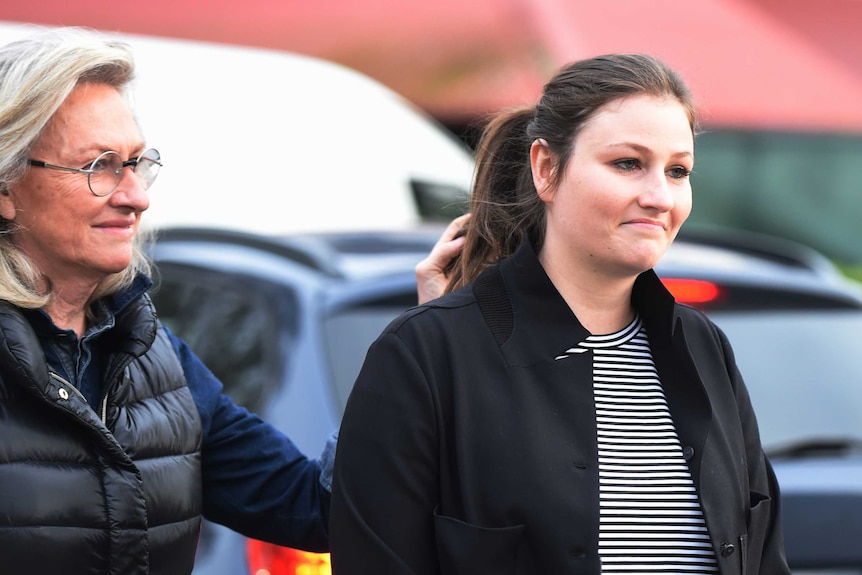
column 656, row 306
column 130, row 312
column 532, row 321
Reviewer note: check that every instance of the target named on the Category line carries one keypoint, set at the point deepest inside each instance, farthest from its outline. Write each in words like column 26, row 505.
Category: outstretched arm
column 255, row 479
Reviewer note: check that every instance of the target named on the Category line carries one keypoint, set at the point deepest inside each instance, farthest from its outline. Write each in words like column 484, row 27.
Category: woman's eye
column 627, row 164
column 678, row 172
column 107, row 164
column 97, row 165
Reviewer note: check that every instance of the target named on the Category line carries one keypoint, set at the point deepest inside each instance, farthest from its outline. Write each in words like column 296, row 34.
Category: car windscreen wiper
column 817, row 447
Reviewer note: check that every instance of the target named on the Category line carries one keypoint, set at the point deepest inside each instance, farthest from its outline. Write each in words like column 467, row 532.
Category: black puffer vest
column 108, row 489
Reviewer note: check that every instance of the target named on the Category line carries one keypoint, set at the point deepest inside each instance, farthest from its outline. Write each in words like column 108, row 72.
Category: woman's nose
column 657, row 194
column 131, row 190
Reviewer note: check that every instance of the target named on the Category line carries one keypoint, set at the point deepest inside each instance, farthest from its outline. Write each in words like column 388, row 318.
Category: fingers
column 444, row 252
column 431, row 276
column 456, row 227
column 447, row 247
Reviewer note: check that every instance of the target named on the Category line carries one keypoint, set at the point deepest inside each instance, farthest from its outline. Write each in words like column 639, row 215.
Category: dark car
column 285, row 323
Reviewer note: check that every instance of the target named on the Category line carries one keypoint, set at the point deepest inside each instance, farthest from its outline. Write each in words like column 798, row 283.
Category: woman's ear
column 543, row 162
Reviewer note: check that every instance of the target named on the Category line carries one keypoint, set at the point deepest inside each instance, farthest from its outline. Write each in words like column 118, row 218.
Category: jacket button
column 727, row 549
column 63, row 393
column 688, row 453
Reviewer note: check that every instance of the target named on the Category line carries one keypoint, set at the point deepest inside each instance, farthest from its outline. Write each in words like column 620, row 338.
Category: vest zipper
column 103, row 411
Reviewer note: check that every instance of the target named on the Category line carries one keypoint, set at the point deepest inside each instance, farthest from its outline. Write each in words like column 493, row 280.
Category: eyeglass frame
column 133, row 162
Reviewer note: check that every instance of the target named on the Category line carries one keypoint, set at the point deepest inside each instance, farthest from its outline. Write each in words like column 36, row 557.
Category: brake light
column 268, row 559
column 691, row 291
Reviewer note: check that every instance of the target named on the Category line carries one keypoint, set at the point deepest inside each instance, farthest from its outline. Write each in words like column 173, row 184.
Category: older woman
column 114, row 439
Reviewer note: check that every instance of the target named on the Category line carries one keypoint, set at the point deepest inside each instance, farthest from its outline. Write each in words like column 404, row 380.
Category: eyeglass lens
column 107, row 170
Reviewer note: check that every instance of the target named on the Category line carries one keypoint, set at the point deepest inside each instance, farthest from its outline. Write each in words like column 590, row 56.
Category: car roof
column 273, row 142
column 346, row 255
column 759, row 271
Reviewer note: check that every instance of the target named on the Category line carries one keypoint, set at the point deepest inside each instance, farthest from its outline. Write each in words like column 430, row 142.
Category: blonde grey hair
column 37, row 74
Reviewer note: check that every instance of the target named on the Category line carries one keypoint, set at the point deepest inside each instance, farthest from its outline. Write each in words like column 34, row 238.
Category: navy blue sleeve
column 255, row 480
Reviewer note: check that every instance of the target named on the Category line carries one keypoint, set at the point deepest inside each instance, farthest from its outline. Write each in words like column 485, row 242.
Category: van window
column 240, row 327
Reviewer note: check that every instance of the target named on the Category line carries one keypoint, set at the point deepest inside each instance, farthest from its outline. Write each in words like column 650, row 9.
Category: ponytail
column 504, row 205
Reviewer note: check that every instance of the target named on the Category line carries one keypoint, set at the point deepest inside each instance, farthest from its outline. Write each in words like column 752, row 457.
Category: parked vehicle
column 285, row 323
column 273, row 142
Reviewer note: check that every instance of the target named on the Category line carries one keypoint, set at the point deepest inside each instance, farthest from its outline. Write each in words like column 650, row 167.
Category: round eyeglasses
column 105, row 172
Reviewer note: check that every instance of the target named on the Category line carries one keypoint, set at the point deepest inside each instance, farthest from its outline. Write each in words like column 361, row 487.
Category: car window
column 802, row 370
column 239, row 326
column 349, row 333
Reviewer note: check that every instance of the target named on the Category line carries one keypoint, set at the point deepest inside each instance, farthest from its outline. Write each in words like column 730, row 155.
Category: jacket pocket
column 466, row 549
column 751, row 544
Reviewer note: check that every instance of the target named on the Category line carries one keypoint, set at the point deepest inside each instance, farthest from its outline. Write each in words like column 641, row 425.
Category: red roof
column 786, row 64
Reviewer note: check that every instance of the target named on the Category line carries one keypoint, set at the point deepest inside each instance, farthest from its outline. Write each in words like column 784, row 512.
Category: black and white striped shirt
column 651, row 518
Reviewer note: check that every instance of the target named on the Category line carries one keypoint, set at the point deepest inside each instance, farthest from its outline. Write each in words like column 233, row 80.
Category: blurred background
column 779, row 82
column 283, row 117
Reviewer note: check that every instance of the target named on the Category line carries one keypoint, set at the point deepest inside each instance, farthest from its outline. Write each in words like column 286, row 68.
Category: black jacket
column 465, row 448
column 113, row 489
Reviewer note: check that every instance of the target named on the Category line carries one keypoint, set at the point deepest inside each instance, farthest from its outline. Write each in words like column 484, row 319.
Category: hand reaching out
column 431, row 273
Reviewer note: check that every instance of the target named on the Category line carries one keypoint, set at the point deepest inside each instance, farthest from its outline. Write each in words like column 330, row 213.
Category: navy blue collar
column 105, row 310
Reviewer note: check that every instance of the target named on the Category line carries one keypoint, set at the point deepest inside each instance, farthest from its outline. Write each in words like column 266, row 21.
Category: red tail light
column 692, row 292
column 267, row 559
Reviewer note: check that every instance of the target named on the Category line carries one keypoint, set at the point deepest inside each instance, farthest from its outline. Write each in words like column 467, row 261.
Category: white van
column 271, row 142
